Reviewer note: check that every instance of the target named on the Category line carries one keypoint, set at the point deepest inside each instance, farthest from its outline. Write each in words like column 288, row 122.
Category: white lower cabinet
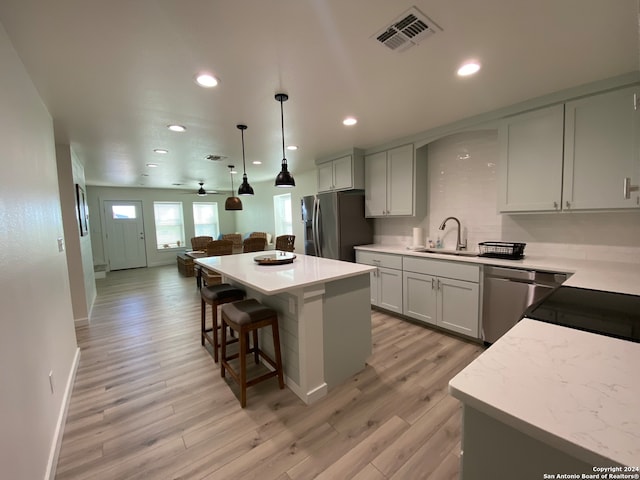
column 386, row 279
column 446, row 294
column 436, row 292
column 389, row 289
column 419, row 300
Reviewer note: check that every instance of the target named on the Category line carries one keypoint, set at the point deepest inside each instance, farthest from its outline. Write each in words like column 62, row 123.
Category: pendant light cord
column 282, row 123
column 244, row 166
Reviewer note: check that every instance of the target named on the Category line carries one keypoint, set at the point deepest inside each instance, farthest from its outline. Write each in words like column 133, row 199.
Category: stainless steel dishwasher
column 508, row 292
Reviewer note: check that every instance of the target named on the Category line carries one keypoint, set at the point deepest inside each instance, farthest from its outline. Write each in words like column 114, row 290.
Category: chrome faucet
column 459, row 244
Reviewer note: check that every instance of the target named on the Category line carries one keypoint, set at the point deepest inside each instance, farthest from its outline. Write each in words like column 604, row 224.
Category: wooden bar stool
column 244, row 317
column 215, row 295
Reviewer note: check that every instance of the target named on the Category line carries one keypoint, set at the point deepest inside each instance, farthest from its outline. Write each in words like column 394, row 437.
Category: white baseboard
column 62, row 418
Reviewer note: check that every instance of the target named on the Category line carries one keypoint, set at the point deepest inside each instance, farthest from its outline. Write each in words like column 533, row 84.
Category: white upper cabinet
column 530, row 168
column 390, row 179
column 375, row 185
column 601, row 150
column 572, row 156
column 342, row 173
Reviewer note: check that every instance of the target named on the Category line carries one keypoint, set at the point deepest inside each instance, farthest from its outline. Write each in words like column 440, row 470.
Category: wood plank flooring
column 148, row 401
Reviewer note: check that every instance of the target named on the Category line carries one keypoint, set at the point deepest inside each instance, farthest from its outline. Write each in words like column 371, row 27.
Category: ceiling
column 114, row 74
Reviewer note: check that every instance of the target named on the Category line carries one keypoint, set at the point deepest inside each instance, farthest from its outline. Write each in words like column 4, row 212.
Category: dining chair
column 236, row 238
column 254, row 244
column 219, row 247
column 214, row 248
column 285, row 243
column 200, row 243
column 258, row 235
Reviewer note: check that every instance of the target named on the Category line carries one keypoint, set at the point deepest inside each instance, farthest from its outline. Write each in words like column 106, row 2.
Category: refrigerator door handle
column 316, row 226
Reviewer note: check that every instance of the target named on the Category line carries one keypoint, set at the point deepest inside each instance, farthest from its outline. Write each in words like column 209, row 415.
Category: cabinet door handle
column 555, row 205
column 433, row 283
column 438, row 285
column 627, row 188
column 567, row 204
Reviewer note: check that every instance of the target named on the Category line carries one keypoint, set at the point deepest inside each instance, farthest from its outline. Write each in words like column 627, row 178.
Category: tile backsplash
column 462, row 182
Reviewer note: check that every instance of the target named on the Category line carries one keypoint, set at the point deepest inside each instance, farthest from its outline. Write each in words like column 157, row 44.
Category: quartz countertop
column 305, row 271
column 595, row 275
column 573, row 390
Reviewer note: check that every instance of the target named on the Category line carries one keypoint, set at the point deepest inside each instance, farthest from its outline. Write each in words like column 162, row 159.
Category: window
column 205, row 219
column 282, row 214
column 169, row 224
column 123, row 211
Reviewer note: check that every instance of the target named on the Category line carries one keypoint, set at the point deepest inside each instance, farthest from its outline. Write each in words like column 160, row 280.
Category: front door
column 125, row 235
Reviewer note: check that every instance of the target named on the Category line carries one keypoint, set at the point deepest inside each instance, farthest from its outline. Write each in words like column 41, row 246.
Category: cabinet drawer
column 376, row 259
column 442, row 268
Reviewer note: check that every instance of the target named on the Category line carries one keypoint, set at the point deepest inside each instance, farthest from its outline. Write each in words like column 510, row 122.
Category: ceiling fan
column 201, row 192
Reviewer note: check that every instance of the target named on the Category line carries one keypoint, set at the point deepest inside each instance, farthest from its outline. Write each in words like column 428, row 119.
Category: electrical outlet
column 51, row 380
column 60, row 244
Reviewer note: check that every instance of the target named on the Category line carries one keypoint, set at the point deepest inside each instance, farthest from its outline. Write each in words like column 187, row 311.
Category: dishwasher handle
column 525, row 276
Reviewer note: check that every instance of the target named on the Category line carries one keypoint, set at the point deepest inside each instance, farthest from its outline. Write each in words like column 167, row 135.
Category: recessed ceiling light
column 349, row 121
column 257, row 162
column 176, row 128
column 234, row 172
column 206, row 80
column 160, row 150
column 292, row 147
column 468, row 68
column 152, row 165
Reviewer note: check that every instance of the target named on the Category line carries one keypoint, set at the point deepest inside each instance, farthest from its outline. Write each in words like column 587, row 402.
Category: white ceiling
column 114, row 73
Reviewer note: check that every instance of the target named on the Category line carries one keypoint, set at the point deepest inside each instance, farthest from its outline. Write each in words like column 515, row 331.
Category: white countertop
column 595, row 275
column 272, row 279
column 573, row 390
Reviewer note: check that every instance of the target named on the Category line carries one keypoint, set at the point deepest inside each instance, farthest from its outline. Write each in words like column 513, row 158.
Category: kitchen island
column 547, row 399
column 323, row 311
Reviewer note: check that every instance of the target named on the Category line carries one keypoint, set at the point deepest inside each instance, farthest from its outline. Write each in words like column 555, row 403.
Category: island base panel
column 347, row 328
column 492, row 449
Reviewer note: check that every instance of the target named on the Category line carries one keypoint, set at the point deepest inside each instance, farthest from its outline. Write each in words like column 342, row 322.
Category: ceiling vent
column 215, row 158
column 407, row 30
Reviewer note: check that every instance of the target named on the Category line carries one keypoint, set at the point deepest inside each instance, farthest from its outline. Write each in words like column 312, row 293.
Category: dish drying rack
column 506, row 250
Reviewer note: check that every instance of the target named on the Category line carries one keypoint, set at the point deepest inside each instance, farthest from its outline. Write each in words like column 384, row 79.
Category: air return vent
column 407, row 30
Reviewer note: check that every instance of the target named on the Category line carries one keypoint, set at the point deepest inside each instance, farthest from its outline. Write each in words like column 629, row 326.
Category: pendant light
column 245, row 188
column 232, row 202
column 284, row 178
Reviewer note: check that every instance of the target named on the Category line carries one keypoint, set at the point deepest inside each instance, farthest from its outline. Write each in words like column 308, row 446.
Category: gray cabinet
column 345, row 172
column 386, row 280
column 602, row 133
column 530, row 168
column 446, row 294
column 436, row 292
column 390, row 178
column 572, row 156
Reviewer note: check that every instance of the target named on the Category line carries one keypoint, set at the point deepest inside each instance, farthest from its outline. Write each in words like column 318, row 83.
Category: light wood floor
column 148, row 400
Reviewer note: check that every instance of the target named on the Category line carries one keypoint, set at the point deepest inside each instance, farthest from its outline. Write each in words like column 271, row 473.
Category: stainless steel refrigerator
column 334, row 223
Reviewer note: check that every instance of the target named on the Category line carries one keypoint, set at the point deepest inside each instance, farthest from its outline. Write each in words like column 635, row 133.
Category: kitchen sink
column 440, row 251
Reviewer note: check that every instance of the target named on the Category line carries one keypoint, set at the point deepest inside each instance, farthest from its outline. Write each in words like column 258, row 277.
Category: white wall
column 79, row 254
column 256, row 215
column 97, row 195
column 36, row 328
column 467, row 189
